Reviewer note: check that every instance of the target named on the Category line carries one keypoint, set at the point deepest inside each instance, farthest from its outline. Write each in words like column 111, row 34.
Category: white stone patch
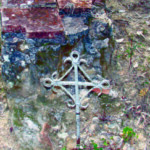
column 113, row 93
column 62, row 135
column 29, row 2
column 95, row 120
column 50, row 36
column 18, row 77
column 83, row 93
column 6, row 58
column 122, row 11
column 6, row 72
column 119, row 40
column 10, row 85
column 24, row 47
column 101, row 43
column 15, row 40
column 24, row 5
column 23, row 64
column 13, row 15
column 5, row 19
column 74, row 136
column 135, row 65
column 106, row 42
column 31, row 124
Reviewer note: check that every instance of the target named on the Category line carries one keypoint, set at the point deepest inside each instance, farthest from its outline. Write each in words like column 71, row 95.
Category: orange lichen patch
column 143, row 92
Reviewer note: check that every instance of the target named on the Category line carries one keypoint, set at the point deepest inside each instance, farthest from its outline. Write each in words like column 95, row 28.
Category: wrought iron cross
column 54, row 82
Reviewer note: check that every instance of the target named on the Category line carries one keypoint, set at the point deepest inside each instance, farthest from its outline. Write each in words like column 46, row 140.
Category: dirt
column 131, row 22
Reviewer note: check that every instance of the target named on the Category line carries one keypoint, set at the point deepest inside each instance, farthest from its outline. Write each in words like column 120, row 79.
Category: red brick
column 35, row 22
column 11, row 3
column 77, row 3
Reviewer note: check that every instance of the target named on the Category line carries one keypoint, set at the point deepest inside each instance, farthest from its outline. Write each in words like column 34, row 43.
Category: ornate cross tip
column 100, row 87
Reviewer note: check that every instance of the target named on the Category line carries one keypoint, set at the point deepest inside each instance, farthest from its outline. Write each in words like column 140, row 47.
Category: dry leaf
column 143, row 92
column 140, row 33
column 135, row 65
column 145, row 62
column 148, row 23
column 119, row 40
column 122, row 72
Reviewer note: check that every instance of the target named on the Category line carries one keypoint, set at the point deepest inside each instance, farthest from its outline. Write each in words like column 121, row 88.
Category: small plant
column 131, row 49
column 128, row 134
column 105, row 143
column 129, row 52
column 64, row 148
column 95, row 146
column 144, row 31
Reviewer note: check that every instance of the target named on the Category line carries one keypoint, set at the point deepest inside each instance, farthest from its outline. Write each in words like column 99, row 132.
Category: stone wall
column 38, row 35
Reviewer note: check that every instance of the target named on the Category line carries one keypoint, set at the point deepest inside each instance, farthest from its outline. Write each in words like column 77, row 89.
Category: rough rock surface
column 131, row 23
column 36, row 42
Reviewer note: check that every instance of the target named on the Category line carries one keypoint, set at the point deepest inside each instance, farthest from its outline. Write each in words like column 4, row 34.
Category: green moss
column 145, row 31
column 17, row 123
column 107, row 104
column 42, row 100
column 148, row 59
column 46, row 59
column 128, row 133
column 18, row 115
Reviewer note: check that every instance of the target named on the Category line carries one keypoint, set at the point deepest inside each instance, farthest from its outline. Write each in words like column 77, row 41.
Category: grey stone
column 74, row 25
column 30, row 124
column 95, row 120
column 99, row 44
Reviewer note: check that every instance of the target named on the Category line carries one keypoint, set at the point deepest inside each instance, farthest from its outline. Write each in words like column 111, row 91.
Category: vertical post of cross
column 77, row 107
column 75, row 64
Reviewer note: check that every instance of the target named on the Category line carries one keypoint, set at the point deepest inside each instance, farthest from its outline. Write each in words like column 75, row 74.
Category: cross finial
column 102, row 86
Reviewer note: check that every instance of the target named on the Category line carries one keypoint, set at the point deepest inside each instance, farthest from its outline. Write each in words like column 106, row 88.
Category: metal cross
column 54, row 82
